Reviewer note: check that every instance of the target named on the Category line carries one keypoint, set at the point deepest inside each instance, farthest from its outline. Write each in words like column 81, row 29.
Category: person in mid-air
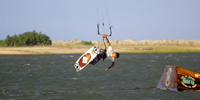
column 109, row 53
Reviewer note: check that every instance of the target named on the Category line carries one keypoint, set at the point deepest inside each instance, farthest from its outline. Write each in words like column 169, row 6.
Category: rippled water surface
column 134, row 77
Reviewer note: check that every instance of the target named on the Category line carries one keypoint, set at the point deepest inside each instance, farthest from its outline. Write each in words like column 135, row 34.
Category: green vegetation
column 87, row 43
column 26, row 39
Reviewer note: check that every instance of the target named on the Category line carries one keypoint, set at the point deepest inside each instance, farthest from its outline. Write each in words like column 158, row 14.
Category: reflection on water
column 134, row 76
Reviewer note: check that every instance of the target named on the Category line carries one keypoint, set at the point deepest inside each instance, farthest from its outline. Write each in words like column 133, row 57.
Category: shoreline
column 121, row 46
column 60, row 50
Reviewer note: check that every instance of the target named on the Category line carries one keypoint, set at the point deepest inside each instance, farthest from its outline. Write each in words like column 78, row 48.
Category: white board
column 86, row 58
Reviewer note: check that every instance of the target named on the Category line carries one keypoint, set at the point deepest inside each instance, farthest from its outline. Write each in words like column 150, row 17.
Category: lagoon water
column 134, row 77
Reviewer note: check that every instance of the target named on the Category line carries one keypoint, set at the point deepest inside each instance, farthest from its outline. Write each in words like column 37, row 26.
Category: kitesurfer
column 109, row 53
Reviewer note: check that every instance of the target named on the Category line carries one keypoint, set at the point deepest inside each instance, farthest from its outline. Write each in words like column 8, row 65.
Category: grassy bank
column 125, row 46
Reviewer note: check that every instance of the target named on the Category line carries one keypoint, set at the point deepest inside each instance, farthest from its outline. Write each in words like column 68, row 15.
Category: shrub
column 27, row 39
column 86, row 42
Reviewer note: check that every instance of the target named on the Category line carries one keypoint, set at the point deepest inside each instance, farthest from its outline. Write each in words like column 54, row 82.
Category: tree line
column 26, row 39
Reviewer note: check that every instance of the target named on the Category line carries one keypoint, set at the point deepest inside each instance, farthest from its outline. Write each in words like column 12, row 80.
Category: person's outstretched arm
column 113, row 63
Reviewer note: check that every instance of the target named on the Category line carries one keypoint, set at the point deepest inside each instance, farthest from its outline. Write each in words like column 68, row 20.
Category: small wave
column 74, row 78
column 176, row 59
column 71, row 56
column 168, row 56
column 63, row 56
column 152, row 61
column 27, row 64
column 195, row 59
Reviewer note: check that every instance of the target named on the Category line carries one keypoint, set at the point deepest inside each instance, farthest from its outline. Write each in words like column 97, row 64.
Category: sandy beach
column 43, row 50
column 122, row 46
column 39, row 50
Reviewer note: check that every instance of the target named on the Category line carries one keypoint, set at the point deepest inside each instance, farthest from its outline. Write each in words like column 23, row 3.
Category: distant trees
column 26, row 39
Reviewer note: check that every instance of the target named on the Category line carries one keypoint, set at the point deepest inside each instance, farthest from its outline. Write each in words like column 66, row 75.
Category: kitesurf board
column 86, row 58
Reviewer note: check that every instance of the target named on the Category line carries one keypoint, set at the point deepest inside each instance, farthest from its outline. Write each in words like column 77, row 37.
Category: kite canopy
column 178, row 79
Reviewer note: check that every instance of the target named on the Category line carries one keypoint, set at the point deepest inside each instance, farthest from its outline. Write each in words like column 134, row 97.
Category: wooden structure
column 178, row 79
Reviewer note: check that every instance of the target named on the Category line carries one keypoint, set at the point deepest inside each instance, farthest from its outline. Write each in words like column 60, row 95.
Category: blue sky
column 77, row 19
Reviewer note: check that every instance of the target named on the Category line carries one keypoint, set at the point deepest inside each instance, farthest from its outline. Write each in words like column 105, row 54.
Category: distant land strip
column 121, row 46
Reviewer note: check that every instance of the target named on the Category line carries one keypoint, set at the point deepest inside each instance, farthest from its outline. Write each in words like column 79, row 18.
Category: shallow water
column 134, row 77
